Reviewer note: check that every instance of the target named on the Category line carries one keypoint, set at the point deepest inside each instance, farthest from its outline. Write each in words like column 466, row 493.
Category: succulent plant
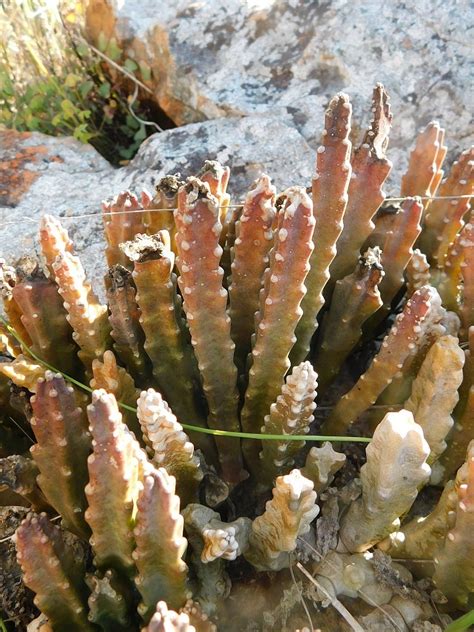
column 173, row 429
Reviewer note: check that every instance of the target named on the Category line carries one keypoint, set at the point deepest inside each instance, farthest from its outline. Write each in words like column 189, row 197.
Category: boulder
column 217, row 59
column 43, row 174
column 249, row 145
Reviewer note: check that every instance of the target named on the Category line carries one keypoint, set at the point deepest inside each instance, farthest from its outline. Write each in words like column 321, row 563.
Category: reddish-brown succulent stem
column 158, row 533
column 354, row 300
column 250, row 259
column 370, row 168
column 114, row 379
column 54, row 239
column 463, row 430
column 440, row 156
column 450, row 277
column 166, row 195
column 124, row 318
column 122, row 221
column 400, row 343
column 396, row 233
column 8, row 280
column 205, row 301
column 45, row 319
column 216, row 177
column 63, row 445
column 174, row 365
column 467, row 275
column 454, row 572
column 233, row 216
column 383, row 222
column 114, row 469
column 425, row 162
column 451, row 228
column 397, row 248
column 438, row 228
column 280, row 310
column 329, row 190
column 168, row 444
column 417, row 272
column 87, row 317
column 54, row 573
column 399, row 388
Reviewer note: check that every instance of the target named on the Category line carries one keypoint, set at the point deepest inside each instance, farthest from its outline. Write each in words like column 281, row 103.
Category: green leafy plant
column 52, row 81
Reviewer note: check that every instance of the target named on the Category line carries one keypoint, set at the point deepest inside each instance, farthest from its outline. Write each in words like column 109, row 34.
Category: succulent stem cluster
column 225, row 317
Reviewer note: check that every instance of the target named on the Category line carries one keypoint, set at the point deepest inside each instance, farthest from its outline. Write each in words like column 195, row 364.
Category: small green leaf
column 33, row 123
column 29, row 93
column 131, row 122
column 104, row 90
column 43, row 87
column 82, row 49
column 141, row 134
column 68, row 108
column 6, row 83
column 85, row 115
column 113, row 50
column 126, row 153
column 5, row 116
column 37, row 103
column 82, row 133
column 130, row 65
column 85, row 88
column 125, row 129
column 71, row 80
column 145, row 71
column 102, row 42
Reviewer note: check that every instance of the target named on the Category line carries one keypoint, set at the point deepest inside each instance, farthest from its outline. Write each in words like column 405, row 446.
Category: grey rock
column 249, row 146
column 61, row 176
column 216, row 59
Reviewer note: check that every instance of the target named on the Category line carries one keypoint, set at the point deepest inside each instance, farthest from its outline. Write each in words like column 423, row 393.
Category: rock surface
column 249, row 146
column 215, row 59
column 42, row 174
